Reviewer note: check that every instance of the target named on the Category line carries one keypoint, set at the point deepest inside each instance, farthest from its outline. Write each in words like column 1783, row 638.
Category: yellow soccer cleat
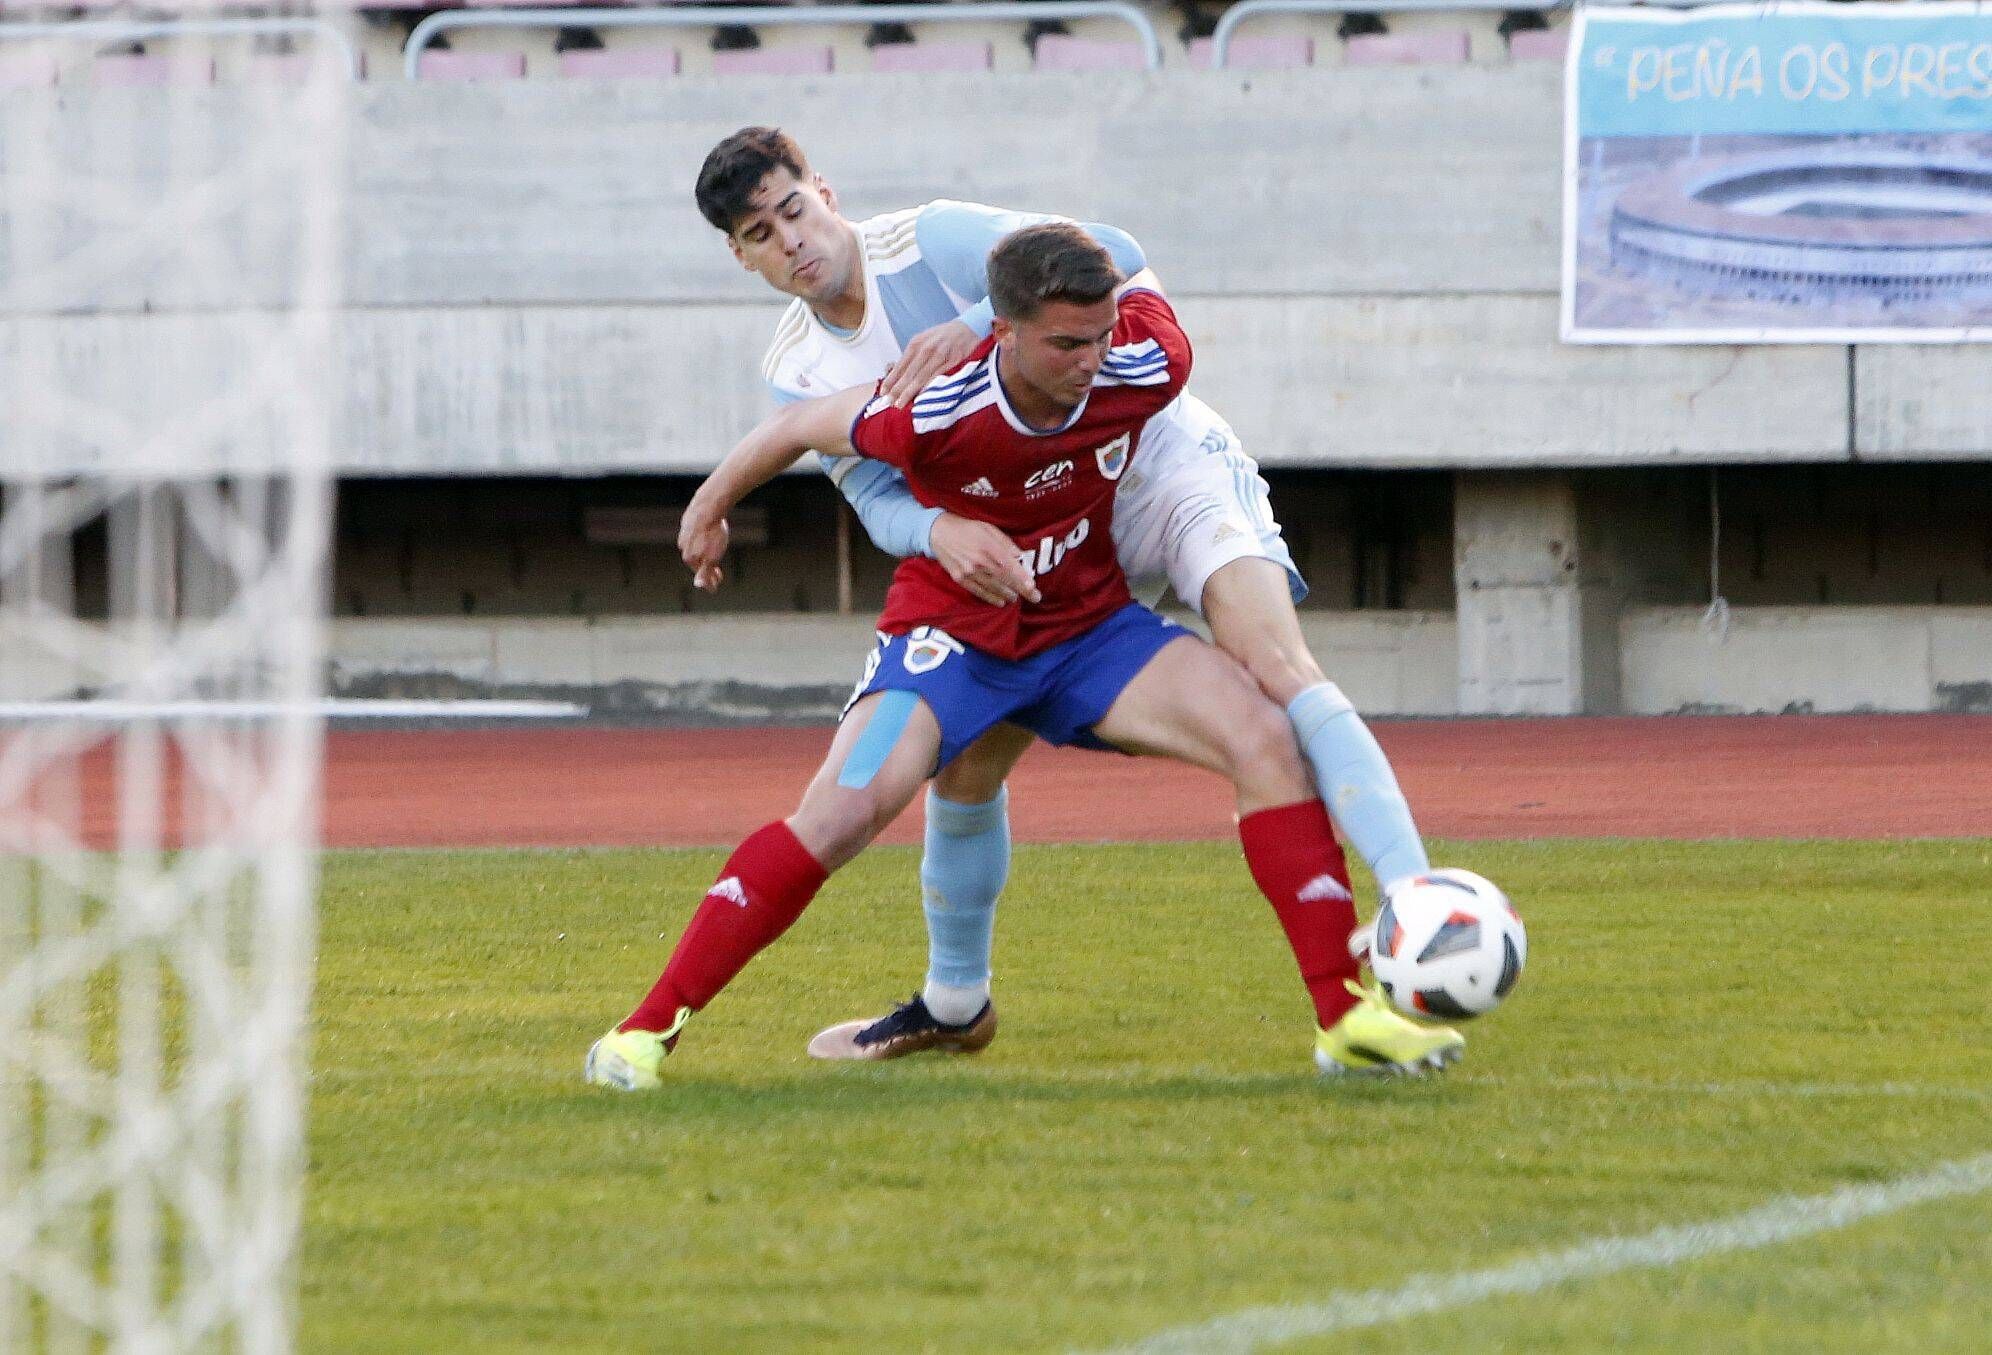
column 628, row 1060
column 1373, row 1038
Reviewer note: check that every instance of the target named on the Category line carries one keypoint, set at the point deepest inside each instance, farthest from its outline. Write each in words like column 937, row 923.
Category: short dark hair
column 735, row 167
column 1055, row 261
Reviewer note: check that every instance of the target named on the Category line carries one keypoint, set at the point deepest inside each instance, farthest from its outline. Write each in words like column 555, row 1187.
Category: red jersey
column 964, row 449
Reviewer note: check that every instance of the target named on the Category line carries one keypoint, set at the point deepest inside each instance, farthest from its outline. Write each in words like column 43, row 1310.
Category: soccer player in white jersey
column 906, row 293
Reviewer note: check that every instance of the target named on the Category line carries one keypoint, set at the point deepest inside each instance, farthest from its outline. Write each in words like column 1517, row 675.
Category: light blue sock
column 1356, row 783
column 966, row 865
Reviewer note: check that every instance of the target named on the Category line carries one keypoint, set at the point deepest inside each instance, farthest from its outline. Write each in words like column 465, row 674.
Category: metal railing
column 138, row 30
column 1220, row 39
column 710, row 16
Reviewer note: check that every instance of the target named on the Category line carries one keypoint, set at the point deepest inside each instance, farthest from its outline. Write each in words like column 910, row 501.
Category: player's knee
column 970, row 781
column 836, row 824
column 1281, row 670
column 976, row 777
column 1265, row 761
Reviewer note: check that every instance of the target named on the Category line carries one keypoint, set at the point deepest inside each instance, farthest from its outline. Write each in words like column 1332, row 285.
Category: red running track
column 1668, row 777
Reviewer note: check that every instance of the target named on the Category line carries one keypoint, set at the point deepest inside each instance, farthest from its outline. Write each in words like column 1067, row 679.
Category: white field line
column 1663, row 1087
column 337, row 708
column 1782, row 1220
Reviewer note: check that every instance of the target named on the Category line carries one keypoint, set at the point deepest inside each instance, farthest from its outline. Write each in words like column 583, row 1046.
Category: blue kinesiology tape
column 881, row 736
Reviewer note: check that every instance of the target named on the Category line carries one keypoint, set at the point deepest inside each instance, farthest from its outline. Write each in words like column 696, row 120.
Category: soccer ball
column 1448, row 944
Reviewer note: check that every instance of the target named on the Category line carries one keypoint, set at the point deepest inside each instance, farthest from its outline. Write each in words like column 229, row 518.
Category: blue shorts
column 1059, row 695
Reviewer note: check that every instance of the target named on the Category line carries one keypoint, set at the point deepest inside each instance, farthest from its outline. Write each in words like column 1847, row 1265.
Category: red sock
column 1299, row 867
column 762, row 889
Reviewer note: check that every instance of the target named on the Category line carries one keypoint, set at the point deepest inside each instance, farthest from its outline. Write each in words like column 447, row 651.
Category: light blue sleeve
column 897, row 523
column 956, row 237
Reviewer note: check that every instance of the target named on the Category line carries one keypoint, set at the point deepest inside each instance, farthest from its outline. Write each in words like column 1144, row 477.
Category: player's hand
column 930, row 353
column 981, row 559
column 702, row 542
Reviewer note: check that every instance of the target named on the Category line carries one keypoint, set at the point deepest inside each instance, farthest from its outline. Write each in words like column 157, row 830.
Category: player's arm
column 897, row 523
column 955, row 239
column 777, row 443
column 1143, row 280
column 976, row 555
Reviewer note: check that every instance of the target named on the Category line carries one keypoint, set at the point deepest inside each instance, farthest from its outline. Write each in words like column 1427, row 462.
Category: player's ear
column 826, row 192
column 1001, row 329
column 734, row 245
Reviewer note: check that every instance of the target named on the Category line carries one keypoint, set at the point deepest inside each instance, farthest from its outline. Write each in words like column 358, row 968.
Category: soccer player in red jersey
column 1030, row 435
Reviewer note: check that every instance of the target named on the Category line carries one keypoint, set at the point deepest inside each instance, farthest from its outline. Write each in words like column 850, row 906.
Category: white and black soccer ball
column 1448, row 944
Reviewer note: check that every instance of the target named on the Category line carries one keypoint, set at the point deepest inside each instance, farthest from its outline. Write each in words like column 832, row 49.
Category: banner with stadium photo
column 1786, row 173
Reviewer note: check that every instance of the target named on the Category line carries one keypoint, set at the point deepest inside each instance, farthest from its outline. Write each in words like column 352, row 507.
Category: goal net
column 168, row 268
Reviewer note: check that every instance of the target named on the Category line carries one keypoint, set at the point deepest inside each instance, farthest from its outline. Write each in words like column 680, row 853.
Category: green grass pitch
column 1702, row 1028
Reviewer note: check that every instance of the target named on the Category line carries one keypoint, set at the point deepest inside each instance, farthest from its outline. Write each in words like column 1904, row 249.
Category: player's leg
column 1200, row 513
column 1194, row 703
column 1248, row 602
column 1197, row 510
column 884, row 749
column 963, row 868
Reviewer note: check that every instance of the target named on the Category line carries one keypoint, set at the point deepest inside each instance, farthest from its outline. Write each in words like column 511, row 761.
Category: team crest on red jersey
column 1113, row 456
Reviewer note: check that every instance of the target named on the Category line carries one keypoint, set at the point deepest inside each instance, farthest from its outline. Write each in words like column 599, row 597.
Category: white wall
column 749, row 667
column 1367, row 258
column 1776, row 659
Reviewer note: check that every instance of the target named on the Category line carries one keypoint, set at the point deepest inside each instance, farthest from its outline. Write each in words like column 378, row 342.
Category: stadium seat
column 1059, row 52
column 621, row 63
column 27, row 70
column 773, row 61
column 471, row 66
column 1539, row 44
column 1448, row 47
column 1273, row 53
column 934, row 57
column 147, row 70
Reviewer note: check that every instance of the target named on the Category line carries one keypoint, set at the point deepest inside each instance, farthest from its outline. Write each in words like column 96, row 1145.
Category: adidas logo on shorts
column 980, row 488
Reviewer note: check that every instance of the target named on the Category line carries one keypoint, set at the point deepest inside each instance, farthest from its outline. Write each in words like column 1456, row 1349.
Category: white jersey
column 808, row 358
